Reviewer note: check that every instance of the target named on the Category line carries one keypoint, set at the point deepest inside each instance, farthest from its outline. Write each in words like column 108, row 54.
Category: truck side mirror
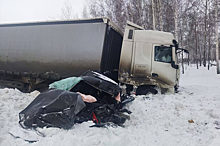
column 174, row 65
column 186, row 51
column 175, row 43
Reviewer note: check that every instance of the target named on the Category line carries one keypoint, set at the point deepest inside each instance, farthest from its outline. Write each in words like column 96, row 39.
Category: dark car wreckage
column 91, row 96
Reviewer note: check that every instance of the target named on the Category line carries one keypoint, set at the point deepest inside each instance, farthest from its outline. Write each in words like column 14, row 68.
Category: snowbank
column 190, row 117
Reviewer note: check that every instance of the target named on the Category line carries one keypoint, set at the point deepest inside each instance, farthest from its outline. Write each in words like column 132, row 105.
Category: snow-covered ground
column 188, row 118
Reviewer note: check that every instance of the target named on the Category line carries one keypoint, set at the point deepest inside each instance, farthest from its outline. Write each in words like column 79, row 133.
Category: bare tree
column 153, row 15
column 67, row 11
column 205, row 34
column 96, row 8
column 196, row 38
column 217, row 42
column 118, row 12
column 85, row 12
column 160, row 15
column 135, row 9
column 176, row 19
column 209, row 36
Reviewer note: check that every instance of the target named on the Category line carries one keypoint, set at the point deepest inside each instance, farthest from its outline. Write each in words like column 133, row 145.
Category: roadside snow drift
column 188, row 118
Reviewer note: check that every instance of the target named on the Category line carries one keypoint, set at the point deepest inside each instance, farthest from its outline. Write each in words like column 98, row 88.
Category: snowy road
column 188, row 118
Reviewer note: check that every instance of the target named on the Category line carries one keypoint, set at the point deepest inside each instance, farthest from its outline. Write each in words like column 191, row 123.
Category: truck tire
column 145, row 89
column 129, row 88
column 176, row 89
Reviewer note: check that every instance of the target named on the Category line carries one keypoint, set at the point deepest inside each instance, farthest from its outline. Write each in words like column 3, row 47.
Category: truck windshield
column 163, row 54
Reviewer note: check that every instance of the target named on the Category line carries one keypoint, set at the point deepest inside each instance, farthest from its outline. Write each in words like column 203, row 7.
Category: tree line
column 194, row 23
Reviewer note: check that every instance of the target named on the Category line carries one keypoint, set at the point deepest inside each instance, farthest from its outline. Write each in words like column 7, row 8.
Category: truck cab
column 148, row 58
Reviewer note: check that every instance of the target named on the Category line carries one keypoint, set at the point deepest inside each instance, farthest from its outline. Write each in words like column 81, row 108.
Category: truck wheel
column 129, row 88
column 176, row 89
column 145, row 89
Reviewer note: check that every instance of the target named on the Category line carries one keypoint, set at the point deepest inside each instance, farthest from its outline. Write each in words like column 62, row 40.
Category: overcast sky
column 12, row 11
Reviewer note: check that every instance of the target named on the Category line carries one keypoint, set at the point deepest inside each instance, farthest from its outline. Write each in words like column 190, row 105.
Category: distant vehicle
column 35, row 54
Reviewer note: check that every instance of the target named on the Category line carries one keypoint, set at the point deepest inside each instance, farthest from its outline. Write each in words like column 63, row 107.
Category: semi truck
column 33, row 55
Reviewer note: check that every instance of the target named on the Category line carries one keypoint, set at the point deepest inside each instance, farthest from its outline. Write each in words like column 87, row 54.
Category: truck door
column 162, row 70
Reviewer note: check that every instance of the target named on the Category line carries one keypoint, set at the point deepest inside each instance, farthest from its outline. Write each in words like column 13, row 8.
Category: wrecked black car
column 91, row 96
